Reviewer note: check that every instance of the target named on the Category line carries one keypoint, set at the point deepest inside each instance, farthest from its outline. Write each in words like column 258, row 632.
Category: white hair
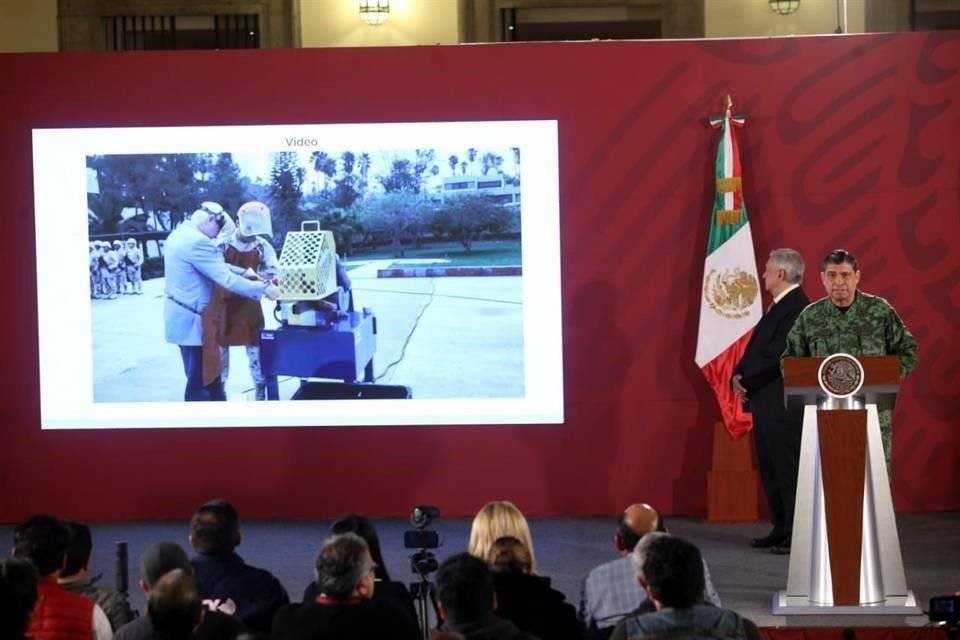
column 200, row 216
column 791, row 262
column 639, row 555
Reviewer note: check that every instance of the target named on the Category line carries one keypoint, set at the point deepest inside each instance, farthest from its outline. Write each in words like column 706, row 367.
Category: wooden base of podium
column 733, row 483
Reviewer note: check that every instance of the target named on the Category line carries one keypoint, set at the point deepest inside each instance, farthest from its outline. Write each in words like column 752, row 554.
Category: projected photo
column 388, row 274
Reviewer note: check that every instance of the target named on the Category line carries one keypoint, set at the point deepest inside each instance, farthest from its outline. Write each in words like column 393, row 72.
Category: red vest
column 60, row 615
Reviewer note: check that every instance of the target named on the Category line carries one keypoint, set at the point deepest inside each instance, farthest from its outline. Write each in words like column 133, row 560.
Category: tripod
column 423, row 590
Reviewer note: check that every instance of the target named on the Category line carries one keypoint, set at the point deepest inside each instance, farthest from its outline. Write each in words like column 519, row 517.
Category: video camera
column 423, row 562
column 421, row 538
column 945, row 609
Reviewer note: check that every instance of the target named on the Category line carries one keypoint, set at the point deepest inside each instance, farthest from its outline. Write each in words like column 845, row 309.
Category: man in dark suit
column 759, row 383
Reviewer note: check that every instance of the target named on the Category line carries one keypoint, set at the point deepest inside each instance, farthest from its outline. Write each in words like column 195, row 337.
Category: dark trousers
column 193, row 368
column 778, row 456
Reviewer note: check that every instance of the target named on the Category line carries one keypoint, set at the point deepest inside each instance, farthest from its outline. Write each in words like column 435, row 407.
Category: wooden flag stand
column 733, row 482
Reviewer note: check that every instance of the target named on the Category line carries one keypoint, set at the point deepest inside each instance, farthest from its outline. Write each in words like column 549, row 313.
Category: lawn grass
column 484, row 253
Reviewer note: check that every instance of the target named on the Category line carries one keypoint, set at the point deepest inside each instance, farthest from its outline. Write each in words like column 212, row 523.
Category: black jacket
column 256, row 593
column 383, row 590
column 358, row 619
column 760, row 364
column 489, row 628
column 533, row 606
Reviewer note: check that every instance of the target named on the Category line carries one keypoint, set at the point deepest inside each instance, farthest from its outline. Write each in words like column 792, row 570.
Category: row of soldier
column 115, row 269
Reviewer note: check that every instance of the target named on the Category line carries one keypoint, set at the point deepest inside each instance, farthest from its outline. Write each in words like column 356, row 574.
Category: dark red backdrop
column 850, row 142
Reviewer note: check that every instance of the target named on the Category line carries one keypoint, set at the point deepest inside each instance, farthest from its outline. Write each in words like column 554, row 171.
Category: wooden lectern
column 845, row 552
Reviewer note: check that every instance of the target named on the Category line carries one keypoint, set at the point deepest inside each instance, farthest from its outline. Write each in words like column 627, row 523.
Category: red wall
column 850, row 142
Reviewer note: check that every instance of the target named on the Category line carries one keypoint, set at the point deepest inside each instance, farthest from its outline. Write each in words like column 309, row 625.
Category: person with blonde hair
column 499, row 519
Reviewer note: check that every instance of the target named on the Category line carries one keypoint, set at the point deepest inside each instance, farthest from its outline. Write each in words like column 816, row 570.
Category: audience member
column 18, row 596
column 157, row 561
column 499, row 519
column 226, row 582
column 58, row 614
column 670, row 570
column 527, row 600
column 467, row 600
column 75, row 577
column 345, row 608
column 611, row 591
column 174, row 606
column 385, row 587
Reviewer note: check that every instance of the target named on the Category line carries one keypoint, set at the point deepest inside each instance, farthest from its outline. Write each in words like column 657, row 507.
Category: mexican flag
column 730, row 295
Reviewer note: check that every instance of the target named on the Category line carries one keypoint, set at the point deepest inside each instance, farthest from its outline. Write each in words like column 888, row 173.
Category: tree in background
column 402, row 177
column 163, row 188
column 466, row 218
column 395, row 214
column 286, row 192
column 225, row 185
column 492, row 161
column 345, row 191
column 324, row 165
column 363, row 168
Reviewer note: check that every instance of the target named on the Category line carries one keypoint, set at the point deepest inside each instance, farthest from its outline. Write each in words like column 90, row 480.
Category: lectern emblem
column 840, row 375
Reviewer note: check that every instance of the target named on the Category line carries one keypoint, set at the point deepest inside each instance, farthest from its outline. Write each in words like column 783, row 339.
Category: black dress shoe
column 782, row 549
column 772, row 539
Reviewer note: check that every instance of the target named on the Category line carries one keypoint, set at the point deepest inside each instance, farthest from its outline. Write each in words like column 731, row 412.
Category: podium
column 845, row 552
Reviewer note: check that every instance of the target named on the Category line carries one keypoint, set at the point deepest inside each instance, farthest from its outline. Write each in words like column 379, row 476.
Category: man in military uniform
column 853, row 322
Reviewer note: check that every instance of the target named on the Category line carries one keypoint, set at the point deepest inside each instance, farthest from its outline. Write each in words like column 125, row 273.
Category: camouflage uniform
column 869, row 327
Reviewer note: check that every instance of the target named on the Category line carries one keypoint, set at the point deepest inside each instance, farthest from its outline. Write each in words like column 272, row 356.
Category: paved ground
column 443, row 337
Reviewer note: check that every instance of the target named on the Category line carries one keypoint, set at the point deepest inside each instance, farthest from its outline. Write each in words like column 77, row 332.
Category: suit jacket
column 760, row 364
column 192, row 265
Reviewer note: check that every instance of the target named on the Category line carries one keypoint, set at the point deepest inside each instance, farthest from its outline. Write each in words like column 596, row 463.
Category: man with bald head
column 611, row 591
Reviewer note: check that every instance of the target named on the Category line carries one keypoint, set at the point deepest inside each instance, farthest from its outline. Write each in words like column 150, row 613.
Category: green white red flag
column 730, row 295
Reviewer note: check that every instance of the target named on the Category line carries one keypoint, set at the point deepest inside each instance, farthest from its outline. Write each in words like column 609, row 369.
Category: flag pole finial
column 729, row 105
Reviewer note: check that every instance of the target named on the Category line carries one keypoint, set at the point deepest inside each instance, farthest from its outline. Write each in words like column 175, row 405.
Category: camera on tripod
column 423, row 562
column 421, row 538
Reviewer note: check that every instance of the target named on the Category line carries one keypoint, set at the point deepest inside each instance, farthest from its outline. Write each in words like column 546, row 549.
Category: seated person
column 157, row 561
column 527, row 600
column 58, row 613
column 75, row 577
column 611, row 591
column 467, row 600
column 344, row 607
column 499, row 519
column 670, row 570
column 226, row 582
column 385, row 588
column 174, row 606
column 18, row 596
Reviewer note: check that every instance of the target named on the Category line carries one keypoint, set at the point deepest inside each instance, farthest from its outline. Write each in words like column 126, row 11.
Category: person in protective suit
column 133, row 263
column 96, row 283
column 235, row 320
column 109, row 262
column 121, row 273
